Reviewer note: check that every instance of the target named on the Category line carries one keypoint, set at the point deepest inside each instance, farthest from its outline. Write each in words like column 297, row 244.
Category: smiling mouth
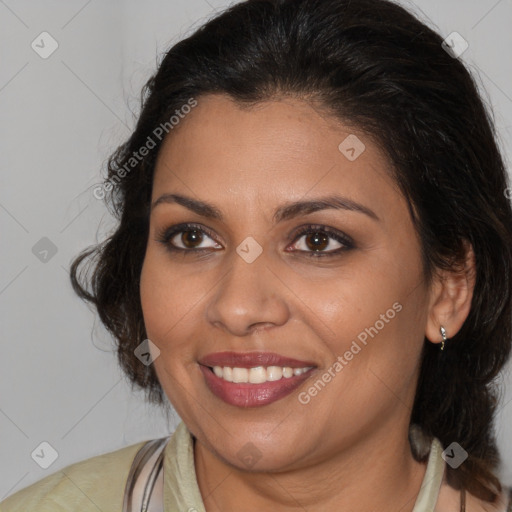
column 253, row 379
column 252, row 390
column 257, row 374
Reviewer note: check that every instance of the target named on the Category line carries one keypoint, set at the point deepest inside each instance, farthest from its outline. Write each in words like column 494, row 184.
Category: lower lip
column 244, row 394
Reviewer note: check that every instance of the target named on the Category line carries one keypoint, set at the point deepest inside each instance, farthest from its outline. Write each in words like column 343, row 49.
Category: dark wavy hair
column 372, row 65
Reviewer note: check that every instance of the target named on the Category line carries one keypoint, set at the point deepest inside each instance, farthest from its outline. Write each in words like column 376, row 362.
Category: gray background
column 60, row 119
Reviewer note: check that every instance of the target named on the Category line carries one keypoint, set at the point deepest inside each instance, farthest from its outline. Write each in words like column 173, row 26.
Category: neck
column 376, row 473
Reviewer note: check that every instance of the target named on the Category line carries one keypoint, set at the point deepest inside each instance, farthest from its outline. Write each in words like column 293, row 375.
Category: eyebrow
column 286, row 212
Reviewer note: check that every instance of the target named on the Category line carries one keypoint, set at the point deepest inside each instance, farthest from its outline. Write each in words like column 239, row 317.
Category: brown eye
column 188, row 237
column 191, row 238
column 317, row 241
column 321, row 241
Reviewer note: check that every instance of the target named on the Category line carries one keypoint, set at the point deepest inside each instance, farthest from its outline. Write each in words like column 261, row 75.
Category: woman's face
column 244, row 287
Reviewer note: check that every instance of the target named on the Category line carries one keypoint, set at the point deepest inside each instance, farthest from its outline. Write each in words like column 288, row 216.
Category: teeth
column 258, row 374
column 287, row 372
column 226, row 373
column 240, row 375
column 274, row 373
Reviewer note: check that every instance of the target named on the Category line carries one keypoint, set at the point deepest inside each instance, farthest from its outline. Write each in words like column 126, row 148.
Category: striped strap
column 146, row 476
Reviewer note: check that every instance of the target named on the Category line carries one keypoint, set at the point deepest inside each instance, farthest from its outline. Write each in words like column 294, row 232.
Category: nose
column 249, row 297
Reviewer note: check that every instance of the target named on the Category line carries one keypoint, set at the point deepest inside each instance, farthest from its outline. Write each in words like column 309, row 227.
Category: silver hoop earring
column 443, row 334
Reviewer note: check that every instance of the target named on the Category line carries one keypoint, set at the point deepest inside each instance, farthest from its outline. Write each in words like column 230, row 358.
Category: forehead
column 282, row 149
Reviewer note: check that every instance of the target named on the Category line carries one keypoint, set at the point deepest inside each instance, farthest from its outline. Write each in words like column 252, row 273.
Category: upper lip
column 251, row 359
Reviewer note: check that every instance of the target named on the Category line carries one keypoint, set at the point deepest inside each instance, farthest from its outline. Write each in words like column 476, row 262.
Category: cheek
column 164, row 296
column 172, row 303
column 166, row 308
column 163, row 301
column 373, row 320
column 152, row 296
column 342, row 307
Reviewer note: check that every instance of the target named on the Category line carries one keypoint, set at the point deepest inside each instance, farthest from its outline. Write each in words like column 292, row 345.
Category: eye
column 311, row 240
column 319, row 241
column 187, row 238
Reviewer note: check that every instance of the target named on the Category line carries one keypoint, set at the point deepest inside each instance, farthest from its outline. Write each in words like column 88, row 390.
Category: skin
column 347, row 449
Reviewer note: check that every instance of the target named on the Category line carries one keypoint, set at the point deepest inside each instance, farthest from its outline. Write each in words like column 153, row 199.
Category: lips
column 242, row 394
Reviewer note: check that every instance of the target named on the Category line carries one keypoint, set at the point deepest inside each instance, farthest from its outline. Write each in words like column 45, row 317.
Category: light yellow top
column 97, row 484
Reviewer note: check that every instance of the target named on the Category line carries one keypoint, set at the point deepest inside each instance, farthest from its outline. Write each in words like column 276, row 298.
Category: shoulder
column 93, row 484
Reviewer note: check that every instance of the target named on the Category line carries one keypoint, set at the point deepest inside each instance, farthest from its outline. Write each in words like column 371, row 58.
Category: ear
column 450, row 298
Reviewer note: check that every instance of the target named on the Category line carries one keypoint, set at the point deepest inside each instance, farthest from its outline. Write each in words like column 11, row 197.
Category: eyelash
column 164, row 237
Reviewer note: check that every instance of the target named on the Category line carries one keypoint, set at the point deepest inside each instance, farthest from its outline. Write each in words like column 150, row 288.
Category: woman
column 312, row 264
